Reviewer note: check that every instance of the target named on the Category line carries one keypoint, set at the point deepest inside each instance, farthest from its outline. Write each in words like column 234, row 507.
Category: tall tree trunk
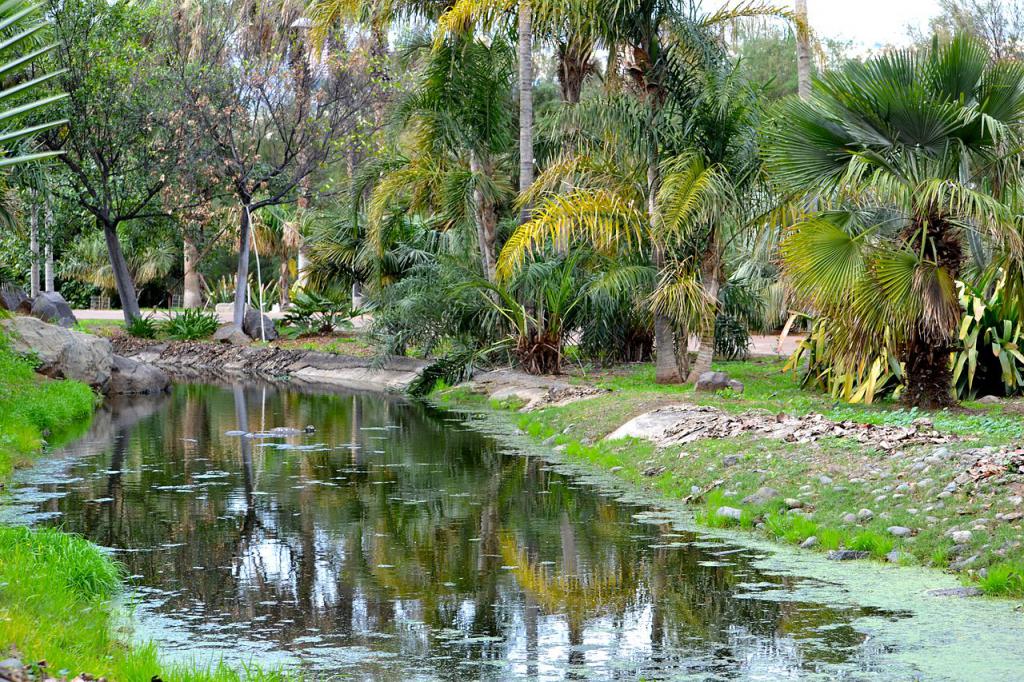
column 192, row 296
column 574, row 57
column 525, row 102
column 122, row 276
column 486, row 219
column 33, row 240
column 711, row 276
column 611, row 71
column 48, row 284
column 284, row 282
column 242, row 275
column 803, row 51
column 666, row 369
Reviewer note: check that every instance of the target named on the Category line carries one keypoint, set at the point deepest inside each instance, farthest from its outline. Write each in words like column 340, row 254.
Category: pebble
column 730, row 460
column 865, row 515
column 1016, row 500
column 945, row 494
column 912, row 511
column 615, row 469
column 895, row 556
column 924, row 483
column 931, row 519
column 903, row 487
column 849, row 518
column 847, row 555
column 793, row 503
column 695, row 490
column 961, row 537
column 900, row 531
column 809, row 543
column 762, row 496
column 880, row 498
column 824, row 480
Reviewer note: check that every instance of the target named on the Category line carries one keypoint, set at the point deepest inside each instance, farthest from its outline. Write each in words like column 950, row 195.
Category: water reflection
column 393, row 542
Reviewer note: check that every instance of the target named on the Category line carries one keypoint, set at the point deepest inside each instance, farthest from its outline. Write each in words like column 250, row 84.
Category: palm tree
column 910, row 158
column 669, row 49
column 803, row 51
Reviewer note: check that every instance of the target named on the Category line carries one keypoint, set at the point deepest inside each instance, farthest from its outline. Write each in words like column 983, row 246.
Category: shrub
column 142, row 327
column 190, row 325
column 311, row 313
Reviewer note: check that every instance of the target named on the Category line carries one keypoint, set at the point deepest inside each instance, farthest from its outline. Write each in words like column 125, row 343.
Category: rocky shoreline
column 198, row 360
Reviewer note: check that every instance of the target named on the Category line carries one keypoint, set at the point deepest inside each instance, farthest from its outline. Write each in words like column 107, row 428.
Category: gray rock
column 729, row 513
column 824, row 480
column 793, row 503
column 14, row 299
column 252, row 327
column 762, row 496
column 847, row 555
column 730, row 460
column 990, row 400
column 809, row 543
column 50, row 306
column 961, row 537
column 62, row 353
column 550, row 440
column 717, row 381
column 960, row 592
column 849, row 518
column 131, row 377
column 865, row 515
column 900, row 531
column 231, row 334
column 896, row 556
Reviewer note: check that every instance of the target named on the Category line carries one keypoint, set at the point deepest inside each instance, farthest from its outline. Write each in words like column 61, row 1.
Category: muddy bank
column 197, row 360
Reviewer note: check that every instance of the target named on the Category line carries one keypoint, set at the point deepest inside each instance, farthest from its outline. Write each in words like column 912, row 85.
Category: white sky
column 869, row 23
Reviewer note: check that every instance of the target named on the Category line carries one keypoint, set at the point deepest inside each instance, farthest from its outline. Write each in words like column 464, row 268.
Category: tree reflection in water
column 395, row 541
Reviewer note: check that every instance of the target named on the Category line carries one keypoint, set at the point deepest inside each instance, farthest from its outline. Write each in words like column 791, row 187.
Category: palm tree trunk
column 48, row 258
column 803, row 51
column 122, row 276
column 525, row 102
column 711, row 280
column 242, row 276
column 666, row 369
column 33, row 221
column 929, row 375
column 193, row 293
column 486, row 219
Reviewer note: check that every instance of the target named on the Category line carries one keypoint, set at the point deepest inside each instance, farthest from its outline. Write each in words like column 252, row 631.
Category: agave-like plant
column 22, row 44
column 899, row 160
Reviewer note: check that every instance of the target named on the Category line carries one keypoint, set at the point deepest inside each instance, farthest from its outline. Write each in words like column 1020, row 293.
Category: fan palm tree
column 909, row 159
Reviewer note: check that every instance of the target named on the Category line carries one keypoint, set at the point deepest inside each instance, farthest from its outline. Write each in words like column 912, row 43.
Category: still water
column 398, row 542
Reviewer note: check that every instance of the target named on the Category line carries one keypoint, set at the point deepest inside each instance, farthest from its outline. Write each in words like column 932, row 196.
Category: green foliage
column 31, row 409
column 896, row 210
column 190, row 325
column 990, row 361
column 311, row 312
column 1003, row 579
column 144, row 327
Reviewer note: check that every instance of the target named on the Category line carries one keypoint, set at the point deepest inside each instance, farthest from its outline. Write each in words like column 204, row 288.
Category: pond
column 389, row 540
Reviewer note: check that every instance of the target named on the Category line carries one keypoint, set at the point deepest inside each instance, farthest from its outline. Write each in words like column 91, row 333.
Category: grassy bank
column 58, row 591
column 832, row 479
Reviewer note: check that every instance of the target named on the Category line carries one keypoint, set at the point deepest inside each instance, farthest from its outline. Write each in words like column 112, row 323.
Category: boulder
column 761, row 497
column 50, row 306
column 231, row 334
column 717, row 381
column 62, row 353
column 254, row 329
column 13, row 298
column 131, row 377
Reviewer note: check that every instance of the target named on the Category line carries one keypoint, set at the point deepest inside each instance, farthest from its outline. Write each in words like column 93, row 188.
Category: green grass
column 862, row 477
column 33, row 410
